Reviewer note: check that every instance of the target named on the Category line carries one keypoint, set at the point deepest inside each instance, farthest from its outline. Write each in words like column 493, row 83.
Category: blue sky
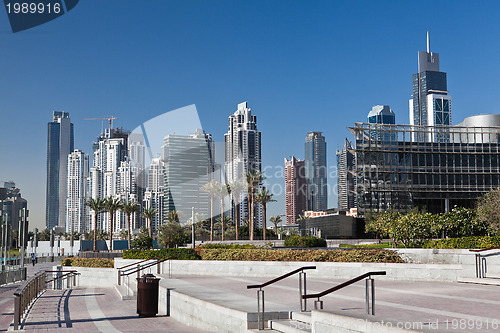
column 301, row 65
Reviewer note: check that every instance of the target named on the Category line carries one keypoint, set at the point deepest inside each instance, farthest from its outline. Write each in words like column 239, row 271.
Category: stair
column 127, row 292
column 299, row 322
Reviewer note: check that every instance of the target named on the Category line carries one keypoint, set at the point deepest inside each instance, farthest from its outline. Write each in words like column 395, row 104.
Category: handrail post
column 260, row 309
column 370, row 291
column 119, row 277
column 484, row 267
column 17, row 312
column 302, row 291
column 138, row 271
column 318, row 302
column 158, row 266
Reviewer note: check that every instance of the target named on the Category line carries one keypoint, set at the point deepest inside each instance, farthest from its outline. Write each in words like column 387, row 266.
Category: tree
column 224, row 221
column 172, row 234
column 211, row 189
column 221, row 190
column 149, row 214
column 254, row 178
column 236, row 188
column 487, row 209
column 97, row 205
column 263, row 197
column 129, row 208
column 276, row 220
column 302, row 222
column 112, row 205
column 173, row 216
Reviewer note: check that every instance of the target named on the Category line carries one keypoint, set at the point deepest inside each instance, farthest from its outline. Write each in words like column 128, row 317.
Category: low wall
column 94, row 277
column 408, row 272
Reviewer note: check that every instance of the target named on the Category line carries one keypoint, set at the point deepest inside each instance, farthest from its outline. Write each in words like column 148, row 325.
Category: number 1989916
column 33, row 8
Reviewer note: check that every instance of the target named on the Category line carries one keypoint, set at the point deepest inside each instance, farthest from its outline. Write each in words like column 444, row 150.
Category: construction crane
column 109, row 119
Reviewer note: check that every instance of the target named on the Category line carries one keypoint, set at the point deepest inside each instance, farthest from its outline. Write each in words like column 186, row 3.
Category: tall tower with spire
column 430, row 104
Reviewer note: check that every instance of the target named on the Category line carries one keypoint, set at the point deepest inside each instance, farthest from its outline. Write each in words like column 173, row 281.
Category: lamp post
column 5, row 230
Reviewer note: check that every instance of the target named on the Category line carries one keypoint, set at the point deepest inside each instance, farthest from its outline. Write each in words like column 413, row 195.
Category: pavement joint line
column 394, row 305
column 96, row 313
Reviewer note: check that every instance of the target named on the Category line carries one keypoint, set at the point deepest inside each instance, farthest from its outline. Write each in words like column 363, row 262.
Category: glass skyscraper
column 430, row 104
column 316, row 172
column 382, row 114
column 60, row 143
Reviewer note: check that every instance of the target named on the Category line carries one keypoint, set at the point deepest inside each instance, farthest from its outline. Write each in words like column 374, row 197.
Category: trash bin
column 147, row 295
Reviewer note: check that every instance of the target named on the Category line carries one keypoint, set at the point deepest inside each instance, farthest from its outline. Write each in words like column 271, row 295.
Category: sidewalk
column 94, row 310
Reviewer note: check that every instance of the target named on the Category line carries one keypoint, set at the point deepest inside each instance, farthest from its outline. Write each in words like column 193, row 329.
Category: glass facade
column 316, row 172
column 404, row 174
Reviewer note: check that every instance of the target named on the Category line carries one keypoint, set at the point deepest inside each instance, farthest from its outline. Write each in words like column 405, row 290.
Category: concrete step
column 304, row 317
column 124, row 292
column 492, row 281
column 289, row 326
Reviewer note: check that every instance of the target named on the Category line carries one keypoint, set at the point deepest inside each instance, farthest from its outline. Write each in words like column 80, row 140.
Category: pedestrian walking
column 33, row 259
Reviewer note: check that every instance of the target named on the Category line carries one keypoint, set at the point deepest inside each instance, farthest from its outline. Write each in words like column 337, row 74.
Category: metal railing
column 260, row 292
column 136, row 265
column 370, row 290
column 69, row 276
column 25, row 294
column 12, row 275
column 481, row 268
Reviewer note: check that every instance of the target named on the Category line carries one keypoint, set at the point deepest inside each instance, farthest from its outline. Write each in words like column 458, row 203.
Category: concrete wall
column 94, row 277
column 407, row 272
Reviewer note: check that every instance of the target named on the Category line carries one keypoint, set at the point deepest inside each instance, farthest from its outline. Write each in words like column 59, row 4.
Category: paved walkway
column 94, row 310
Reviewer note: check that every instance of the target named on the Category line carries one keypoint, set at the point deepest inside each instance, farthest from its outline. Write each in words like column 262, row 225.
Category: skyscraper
column 430, row 104
column 242, row 153
column 316, row 172
column 77, row 183
column 346, row 177
column 60, row 143
column 295, row 189
column 382, row 114
column 153, row 197
column 189, row 164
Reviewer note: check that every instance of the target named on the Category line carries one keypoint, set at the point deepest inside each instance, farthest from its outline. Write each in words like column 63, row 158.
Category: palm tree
column 149, row 214
column 221, row 190
column 129, row 208
column 302, row 222
column 211, row 188
column 263, row 197
column 276, row 220
column 97, row 205
column 254, row 178
column 173, row 216
column 112, row 205
column 236, row 188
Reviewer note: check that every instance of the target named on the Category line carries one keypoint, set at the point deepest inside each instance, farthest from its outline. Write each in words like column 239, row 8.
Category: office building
column 242, row 153
column 430, row 104
column 189, row 164
column 382, row 114
column 154, row 195
column 434, row 176
column 316, row 172
column 60, row 143
column 11, row 203
column 295, row 189
column 346, row 177
column 77, row 212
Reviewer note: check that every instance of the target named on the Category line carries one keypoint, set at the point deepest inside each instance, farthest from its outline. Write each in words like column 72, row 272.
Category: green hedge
column 301, row 255
column 473, row 242
column 88, row 262
column 307, row 241
column 176, row 254
column 226, row 246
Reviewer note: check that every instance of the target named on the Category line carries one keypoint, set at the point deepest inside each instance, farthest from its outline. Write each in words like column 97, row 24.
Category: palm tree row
column 253, row 181
column 112, row 205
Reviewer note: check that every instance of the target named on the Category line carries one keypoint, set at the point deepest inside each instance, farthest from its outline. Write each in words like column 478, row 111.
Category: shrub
column 473, row 242
column 143, row 243
column 88, row 262
column 386, row 256
column 226, row 246
column 307, row 241
column 176, row 254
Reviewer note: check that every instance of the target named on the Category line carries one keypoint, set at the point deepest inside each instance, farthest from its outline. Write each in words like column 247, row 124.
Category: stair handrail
column 481, row 261
column 135, row 263
column 262, row 285
column 25, row 294
column 369, row 284
column 260, row 292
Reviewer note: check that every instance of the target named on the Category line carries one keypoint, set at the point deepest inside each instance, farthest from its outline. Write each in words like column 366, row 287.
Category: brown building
column 295, row 189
